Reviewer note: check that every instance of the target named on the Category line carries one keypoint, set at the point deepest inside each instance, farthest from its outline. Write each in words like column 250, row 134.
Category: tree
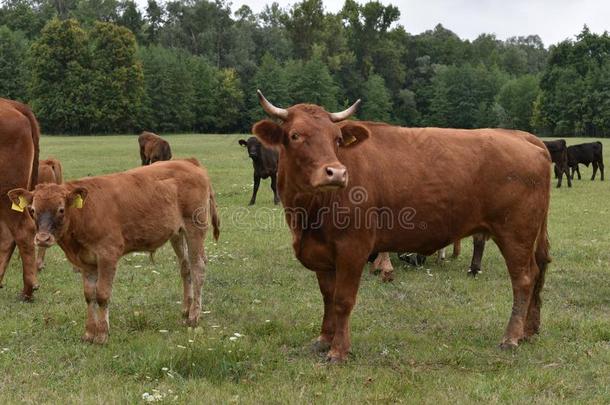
column 118, row 82
column 271, row 78
column 170, row 94
column 14, row 74
column 60, row 86
column 229, row 99
column 312, row 83
column 377, row 103
column 516, row 98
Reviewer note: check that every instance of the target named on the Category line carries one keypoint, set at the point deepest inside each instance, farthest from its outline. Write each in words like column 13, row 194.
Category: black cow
column 559, row 156
column 264, row 161
column 586, row 153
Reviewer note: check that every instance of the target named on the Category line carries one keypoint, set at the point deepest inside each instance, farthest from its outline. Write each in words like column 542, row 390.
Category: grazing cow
column 96, row 220
column 264, row 161
column 19, row 136
column 346, row 190
column 153, row 148
column 559, row 156
column 586, row 153
column 49, row 171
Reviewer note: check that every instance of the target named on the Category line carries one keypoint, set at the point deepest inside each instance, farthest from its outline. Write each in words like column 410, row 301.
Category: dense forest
column 105, row 66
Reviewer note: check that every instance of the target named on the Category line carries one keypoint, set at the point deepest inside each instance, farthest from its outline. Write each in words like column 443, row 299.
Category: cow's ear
column 268, row 132
column 20, row 198
column 354, row 134
column 242, row 142
column 77, row 197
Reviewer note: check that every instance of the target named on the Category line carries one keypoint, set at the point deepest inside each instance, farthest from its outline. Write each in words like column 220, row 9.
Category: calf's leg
column 194, row 240
column 179, row 244
column 383, row 263
column 257, row 183
column 478, row 242
column 106, row 270
column 594, row 170
column 89, row 288
column 40, row 258
column 457, row 248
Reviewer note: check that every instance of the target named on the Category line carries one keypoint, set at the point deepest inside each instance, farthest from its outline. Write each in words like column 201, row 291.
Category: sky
column 552, row 20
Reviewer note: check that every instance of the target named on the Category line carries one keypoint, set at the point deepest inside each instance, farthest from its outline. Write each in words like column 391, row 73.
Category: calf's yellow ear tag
column 78, row 202
column 21, row 206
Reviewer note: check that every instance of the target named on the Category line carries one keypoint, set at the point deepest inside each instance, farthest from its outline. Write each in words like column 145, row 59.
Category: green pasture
column 430, row 336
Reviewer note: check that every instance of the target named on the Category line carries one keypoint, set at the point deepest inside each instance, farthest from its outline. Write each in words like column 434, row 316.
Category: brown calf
column 347, row 191
column 49, row 171
column 96, row 220
column 153, row 148
column 19, row 136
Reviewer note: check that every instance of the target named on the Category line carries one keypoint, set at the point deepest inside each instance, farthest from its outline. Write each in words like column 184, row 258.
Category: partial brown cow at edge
column 49, row 171
column 19, row 137
column 324, row 165
column 153, row 148
column 96, row 220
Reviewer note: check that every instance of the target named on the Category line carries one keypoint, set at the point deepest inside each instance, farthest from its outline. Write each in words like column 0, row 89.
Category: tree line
column 105, row 66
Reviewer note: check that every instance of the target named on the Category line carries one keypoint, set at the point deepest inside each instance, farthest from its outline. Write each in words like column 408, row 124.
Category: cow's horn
column 270, row 109
column 340, row 116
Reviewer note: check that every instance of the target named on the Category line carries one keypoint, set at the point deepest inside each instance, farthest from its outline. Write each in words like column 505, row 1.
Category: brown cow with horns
column 346, row 189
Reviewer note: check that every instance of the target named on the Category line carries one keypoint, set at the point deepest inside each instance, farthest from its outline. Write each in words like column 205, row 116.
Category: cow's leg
column 326, row 281
column 40, row 258
column 559, row 175
column 578, row 172
column 194, row 240
column 23, row 233
column 257, row 182
column 441, row 254
column 143, row 156
column 89, row 289
column 383, row 263
column 276, row 197
column 179, row 245
column 594, row 164
column 106, row 269
column 478, row 242
column 557, row 172
column 568, row 177
column 524, row 274
column 348, row 274
column 601, row 168
column 7, row 246
column 457, row 248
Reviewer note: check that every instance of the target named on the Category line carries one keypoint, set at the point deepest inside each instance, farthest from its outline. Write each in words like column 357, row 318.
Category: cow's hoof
column 335, row 358
column 509, row 345
column 320, row 346
column 87, row 338
column 36, row 287
column 100, row 339
column 26, row 297
column 386, row 277
column 251, row 203
column 1, row 285
column 192, row 322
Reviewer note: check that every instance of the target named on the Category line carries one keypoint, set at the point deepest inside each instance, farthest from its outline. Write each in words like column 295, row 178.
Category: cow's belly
column 148, row 236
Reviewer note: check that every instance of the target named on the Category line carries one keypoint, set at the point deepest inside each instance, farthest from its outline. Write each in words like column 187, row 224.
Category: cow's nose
column 43, row 239
column 336, row 174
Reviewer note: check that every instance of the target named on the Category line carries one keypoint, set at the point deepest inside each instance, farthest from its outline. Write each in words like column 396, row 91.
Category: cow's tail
column 214, row 215
column 35, row 129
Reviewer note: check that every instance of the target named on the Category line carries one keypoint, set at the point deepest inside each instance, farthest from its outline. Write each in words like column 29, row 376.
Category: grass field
column 431, row 336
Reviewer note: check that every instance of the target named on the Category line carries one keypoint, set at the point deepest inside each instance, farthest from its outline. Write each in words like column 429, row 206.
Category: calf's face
column 310, row 141
column 253, row 146
column 48, row 206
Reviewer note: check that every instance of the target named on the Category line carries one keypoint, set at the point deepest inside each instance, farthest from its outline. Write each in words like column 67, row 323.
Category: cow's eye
column 295, row 136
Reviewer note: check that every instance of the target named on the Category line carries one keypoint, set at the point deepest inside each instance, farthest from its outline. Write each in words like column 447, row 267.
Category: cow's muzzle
column 44, row 239
column 332, row 177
